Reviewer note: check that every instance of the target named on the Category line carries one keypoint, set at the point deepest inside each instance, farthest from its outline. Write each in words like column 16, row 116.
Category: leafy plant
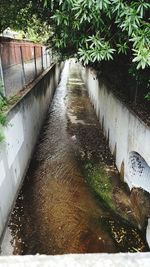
column 3, row 103
column 103, row 29
column 93, row 30
column 3, row 120
column 147, row 96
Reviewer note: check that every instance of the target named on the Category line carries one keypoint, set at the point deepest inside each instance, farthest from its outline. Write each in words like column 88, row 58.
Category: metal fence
column 20, row 63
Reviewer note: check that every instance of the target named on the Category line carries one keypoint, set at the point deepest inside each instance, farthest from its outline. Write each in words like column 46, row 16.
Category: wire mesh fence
column 20, row 63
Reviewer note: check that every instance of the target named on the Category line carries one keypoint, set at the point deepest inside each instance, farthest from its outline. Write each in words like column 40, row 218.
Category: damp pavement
column 58, row 209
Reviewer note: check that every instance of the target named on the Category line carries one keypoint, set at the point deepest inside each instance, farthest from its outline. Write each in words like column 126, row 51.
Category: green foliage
column 3, row 119
column 122, row 48
column 99, row 30
column 97, row 49
column 147, row 96
column 3, row 104
column 92, row 30
column 8, row 12
column 3, row 101
column 37, row 32
column 1, row 136
column 23, row 16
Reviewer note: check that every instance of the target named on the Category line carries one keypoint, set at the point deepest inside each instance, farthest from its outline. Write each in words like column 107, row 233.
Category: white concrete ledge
column 77, row 260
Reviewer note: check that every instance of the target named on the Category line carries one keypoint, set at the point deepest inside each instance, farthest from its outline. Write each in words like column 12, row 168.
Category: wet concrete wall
column 128, row 136
column 24, row 123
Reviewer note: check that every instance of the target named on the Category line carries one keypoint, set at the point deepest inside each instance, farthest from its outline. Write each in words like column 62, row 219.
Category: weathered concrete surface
column 128, row 136
column 78, row 260
column 24, row 123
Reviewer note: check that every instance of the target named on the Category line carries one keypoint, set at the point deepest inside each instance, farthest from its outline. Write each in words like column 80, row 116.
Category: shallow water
column 57, row 211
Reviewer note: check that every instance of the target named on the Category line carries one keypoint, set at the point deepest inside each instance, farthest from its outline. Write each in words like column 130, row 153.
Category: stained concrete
column 127, row 134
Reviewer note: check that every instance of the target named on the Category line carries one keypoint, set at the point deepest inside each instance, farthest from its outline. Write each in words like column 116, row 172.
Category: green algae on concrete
column 126, row 236
column 111, row 192
column 100, row 183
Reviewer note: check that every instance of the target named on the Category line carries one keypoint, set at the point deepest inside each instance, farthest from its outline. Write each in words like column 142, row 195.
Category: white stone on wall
column 138, row 173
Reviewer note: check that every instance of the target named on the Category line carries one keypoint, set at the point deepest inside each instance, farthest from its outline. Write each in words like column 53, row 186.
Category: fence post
column 51, row 57
column 22, row 63
column 46, row 58
column 49, row 51
column 35, row 62
column 42, row 58
column 2, row 83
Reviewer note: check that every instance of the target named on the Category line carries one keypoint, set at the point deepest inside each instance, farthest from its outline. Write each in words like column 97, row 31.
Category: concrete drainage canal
column 72, row 199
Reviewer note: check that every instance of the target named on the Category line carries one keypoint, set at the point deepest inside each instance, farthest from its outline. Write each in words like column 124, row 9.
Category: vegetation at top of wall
column 103, row 31
column 21, row 17
column 95, row 31
column 99, row 30
column 3, row 119
column 4, row 105
column 148, row 96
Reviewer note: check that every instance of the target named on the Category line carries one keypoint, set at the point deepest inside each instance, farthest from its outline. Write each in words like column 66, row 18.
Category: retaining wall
column 24, row 123
column 128, row 135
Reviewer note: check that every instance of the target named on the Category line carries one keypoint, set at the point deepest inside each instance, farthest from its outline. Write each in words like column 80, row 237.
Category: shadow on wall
column 138, row 172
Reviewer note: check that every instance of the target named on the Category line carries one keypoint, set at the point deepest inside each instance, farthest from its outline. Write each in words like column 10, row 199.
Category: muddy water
column 57, row 210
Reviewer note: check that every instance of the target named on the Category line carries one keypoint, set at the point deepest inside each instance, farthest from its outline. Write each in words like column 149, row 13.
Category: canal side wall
column 128, row 136
column 24, row 122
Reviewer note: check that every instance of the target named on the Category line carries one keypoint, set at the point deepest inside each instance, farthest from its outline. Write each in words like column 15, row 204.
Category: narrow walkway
column 56, row 211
